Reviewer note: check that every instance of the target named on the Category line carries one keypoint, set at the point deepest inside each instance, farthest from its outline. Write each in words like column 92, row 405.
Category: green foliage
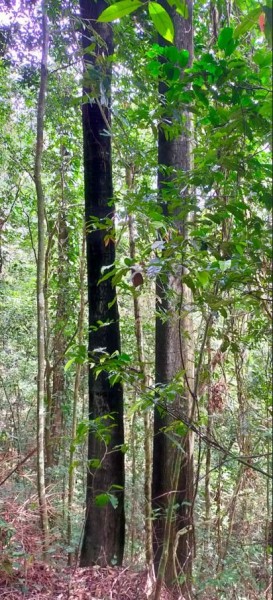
column 157, row 12
column 226, row 41
column 248, row 22
column 118, row 10
column 226, row 263
column 161, row 21
column 104, row 499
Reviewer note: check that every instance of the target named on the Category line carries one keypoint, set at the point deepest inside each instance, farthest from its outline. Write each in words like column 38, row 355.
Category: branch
column 212, row 442
column 19, row 464
column 178, row 415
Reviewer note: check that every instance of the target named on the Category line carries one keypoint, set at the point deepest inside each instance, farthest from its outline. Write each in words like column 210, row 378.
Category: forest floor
column 24, row 576
column 43, row 582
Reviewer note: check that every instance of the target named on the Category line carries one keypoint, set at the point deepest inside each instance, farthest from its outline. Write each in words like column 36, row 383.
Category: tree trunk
column 144, row 385
column 71, row 479
column 60, row 338
column 174, row 354
column 208, row 450
column 103, row 540
column 40, row 284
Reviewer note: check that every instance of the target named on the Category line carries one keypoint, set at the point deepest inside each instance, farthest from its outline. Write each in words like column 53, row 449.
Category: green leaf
column 203, row 277
column 225, row 37
column 82, row 430
column 69, row 363
column 226, row 41
column 125, row 357
column 107, row 275
column 124, row 448
column 102, row 499
column 262, row 58
column 162, row 21
column 180, row 7
column 94, row 463
column 248, row 22
column 201, row 95
column 224, row 265
column 110, row 304
column 183, row 58
column 171, row 53
column 118, row 10
column 171, row 73
column 117, row 487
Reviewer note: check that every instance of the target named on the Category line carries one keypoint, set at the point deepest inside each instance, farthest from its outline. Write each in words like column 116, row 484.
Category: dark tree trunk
column 103, row 540
column 174, row 353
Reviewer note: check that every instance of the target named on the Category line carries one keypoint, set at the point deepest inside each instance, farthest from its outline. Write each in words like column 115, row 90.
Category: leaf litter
column 44, row 582
column 23, row 576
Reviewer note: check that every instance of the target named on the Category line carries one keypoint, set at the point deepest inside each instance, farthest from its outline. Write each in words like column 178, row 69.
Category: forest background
column 174, row 202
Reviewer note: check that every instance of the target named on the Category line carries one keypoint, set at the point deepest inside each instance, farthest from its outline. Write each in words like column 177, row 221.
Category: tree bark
column 103, row 540
column 60, row 338
column 71, row 478
column 174, row 354
column 144, row 385
column 40, row 284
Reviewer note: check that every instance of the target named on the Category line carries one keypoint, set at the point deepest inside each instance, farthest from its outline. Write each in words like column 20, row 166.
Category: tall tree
column 103, row 539
column 40, row 280
column 173, row 467
column 56, row 395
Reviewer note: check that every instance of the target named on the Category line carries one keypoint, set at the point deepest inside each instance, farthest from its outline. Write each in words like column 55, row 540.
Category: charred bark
column 103, row 540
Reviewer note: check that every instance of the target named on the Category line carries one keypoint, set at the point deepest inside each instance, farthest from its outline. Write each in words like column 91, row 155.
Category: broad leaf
column 226, row 41
column 262, row 58
column 102, row 499
column 203, row 277
column 162, row 21
column 224, row 37
column 183, row 58
column 248, row 22
column 118, row 10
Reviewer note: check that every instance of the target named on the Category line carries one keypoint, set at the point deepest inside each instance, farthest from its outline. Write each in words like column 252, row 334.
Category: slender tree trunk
column 48, row 368
column 71, row 477
column 61, row 318
column 133, row 516
column 174, row 354
column 103, row 539
column 144, row 385
column 231, row 516
column 208, row 449
column 40, row 283
column 218, row 500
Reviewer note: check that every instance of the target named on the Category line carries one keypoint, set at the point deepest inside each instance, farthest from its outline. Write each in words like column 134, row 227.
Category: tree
column 174, row 340
column 56, row 390
column 103, row 540
column 40, row 282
